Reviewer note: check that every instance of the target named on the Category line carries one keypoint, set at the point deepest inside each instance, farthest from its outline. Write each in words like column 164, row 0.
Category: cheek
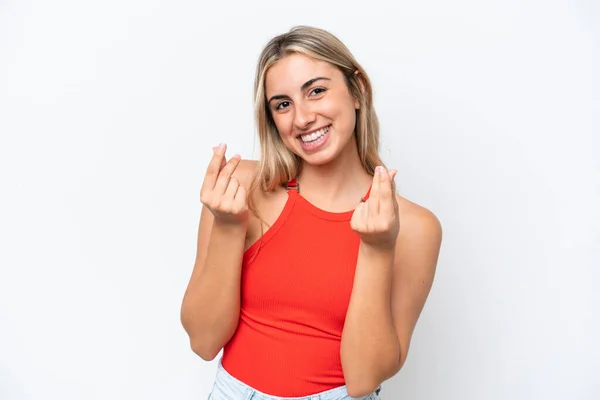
column 340, row 107
column 346, row 115
column 283, row 125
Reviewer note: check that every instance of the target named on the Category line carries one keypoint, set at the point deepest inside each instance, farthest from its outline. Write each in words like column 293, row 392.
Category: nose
column 304, row 117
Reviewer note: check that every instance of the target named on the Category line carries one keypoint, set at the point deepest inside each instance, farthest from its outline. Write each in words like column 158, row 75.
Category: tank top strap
column 366, row 196
column 293, row 185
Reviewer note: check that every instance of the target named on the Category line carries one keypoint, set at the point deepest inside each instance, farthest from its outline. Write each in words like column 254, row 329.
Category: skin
column 399, row 240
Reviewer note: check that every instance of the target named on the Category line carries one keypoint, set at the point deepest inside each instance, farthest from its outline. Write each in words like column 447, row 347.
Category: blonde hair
column 277, row 164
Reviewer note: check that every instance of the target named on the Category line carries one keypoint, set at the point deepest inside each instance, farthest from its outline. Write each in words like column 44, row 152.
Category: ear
column 361, row 82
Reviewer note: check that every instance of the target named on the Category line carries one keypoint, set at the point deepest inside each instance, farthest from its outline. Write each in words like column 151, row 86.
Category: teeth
column 315, row 135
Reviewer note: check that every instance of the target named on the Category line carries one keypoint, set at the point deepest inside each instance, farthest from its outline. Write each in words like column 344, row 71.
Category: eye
column 317, row 91
column 283, row 103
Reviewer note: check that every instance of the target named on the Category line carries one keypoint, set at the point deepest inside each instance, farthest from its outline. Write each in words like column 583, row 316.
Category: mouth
column 315, row 140
column 309, row 138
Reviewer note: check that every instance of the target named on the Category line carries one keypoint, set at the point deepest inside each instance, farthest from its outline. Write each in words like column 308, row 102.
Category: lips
column 311, row 137
column 316, row 139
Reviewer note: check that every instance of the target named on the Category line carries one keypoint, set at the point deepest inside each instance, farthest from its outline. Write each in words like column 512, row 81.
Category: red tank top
column 295, row 291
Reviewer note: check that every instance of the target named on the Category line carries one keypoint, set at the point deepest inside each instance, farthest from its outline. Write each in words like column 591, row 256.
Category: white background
column 108, row 112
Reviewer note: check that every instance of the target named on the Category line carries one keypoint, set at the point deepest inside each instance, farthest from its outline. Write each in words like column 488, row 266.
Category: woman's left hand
column 376, row 220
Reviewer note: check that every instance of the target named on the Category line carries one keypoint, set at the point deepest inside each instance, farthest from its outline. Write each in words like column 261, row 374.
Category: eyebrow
column 302, row 88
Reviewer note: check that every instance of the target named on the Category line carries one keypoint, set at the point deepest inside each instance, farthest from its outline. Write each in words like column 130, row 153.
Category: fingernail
column 236, row 156
column 215, row 149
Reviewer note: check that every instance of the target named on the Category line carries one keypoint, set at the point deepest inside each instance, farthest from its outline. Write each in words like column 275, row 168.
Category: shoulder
column 246, row 172
column 418, row 225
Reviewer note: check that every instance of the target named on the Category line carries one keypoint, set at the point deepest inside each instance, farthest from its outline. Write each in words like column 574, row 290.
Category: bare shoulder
column 418, row 221
column 245, row 172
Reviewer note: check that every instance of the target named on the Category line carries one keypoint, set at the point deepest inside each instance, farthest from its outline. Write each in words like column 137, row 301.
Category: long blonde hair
column 277, row 164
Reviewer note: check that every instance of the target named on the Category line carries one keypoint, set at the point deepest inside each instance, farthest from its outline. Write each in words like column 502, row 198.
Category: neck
column 341, row 178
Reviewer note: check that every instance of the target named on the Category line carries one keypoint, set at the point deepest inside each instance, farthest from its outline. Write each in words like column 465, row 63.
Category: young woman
column 311, row 272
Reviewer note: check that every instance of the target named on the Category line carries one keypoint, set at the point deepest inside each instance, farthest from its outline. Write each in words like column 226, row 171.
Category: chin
column 321, row 158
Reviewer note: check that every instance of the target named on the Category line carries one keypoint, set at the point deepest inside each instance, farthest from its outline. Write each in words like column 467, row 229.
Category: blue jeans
column 226, row 387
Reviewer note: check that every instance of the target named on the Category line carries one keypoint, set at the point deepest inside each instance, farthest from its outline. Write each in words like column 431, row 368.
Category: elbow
column 207, row 353
column 205, row 341
column 359, row 389
column 201, row 345
column 360, row 383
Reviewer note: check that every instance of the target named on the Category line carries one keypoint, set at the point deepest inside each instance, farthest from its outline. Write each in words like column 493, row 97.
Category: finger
column 225, row 174
column 358, row 217
column 214, row 166
column 386, row 207
column 232, row 189
column 375, row 194
column 240, row 197
column 393, row 173
column 364, row 216
column 223, row 160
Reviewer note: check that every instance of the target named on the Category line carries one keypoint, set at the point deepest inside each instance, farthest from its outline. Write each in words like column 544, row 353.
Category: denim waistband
column 227, row 387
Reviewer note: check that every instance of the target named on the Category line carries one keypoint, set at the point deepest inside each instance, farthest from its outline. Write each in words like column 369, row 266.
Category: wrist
column 225, row 226
column 377, row 251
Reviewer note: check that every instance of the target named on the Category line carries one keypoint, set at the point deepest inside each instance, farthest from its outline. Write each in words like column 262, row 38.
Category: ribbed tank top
column 295, row 291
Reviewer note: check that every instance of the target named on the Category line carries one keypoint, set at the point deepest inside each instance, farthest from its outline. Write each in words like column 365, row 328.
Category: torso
column 296, row 282
column 294, row 301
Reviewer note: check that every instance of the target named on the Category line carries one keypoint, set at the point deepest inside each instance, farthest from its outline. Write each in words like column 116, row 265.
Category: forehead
column 290, row 72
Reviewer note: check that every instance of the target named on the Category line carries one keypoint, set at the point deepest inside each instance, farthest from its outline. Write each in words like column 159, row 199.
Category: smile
column 311, row 137
column 315, row 140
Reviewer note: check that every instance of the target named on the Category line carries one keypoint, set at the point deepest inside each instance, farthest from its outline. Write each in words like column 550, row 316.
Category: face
column 312, row 107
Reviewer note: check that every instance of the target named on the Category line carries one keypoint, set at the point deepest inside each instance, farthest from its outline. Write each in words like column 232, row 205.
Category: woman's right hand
column 222, row 193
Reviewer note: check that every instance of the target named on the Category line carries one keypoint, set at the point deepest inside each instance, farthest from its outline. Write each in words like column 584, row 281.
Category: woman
column 310, row 272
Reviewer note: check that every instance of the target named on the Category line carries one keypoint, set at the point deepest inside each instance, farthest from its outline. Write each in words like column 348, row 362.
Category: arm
column 211, row 303
column 370, row 348
column 394, row 274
